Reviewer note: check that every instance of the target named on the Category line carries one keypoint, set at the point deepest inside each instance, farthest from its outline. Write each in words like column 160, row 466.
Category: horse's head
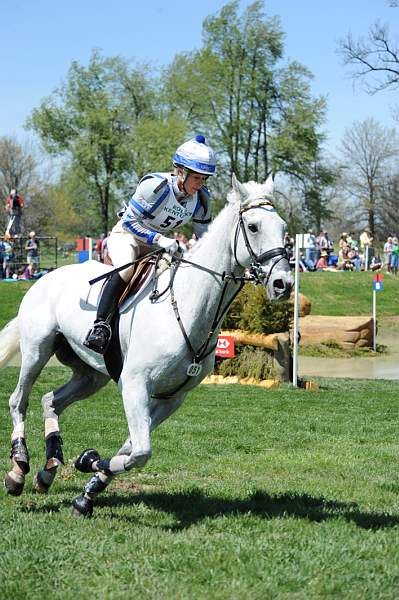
column 258, row 239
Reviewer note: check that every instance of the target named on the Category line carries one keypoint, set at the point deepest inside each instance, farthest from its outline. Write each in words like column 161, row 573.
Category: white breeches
column 124, row 247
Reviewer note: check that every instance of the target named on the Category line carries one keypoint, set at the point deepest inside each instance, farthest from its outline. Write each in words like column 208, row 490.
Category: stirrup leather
column 98, row 337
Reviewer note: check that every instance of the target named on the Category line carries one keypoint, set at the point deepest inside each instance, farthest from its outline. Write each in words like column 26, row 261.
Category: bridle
column 255, row 267
column 256, row 275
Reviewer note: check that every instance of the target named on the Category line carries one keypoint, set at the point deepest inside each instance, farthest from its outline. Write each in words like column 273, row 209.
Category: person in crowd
column 322, row 263
column 310, row 249
column 161, row 203
column 376, row 263
column 14, row 207
column 99, row 248
column 388, row 247
column 351, row 240
column 395, row 256
column 289, row 246
column 8, row 257
column 344, row 262
column 25, row 272
column 366, row 240
column 104, row 249
column 191, row 242
column 343, row 241
column 32, row 248
column 356, row 261
column 182, row 240
column 324, row 243
column 1, row 257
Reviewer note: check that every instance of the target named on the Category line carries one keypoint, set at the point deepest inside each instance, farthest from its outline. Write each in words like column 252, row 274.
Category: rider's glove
column 168, row 244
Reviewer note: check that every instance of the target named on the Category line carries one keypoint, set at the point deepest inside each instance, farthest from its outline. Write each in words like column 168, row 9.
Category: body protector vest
column 155, row 208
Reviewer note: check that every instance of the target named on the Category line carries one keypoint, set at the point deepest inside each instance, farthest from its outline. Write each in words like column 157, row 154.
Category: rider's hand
column 168, row 244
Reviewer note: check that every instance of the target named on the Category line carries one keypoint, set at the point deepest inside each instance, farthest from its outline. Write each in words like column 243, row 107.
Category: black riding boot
column 99, row 336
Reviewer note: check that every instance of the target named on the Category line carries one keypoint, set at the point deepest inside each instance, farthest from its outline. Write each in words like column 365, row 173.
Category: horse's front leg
column 83, row 505
column 135, row 453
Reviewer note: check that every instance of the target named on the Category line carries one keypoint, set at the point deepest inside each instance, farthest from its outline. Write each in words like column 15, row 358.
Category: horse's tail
column 9, row 342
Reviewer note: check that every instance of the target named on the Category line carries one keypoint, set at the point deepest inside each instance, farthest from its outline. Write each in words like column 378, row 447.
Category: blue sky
column 40, row 38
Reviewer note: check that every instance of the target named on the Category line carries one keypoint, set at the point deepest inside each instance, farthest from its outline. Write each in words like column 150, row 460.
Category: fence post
column 298, row 245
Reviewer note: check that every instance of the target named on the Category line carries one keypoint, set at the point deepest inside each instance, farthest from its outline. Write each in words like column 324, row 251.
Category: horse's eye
column 252, row 227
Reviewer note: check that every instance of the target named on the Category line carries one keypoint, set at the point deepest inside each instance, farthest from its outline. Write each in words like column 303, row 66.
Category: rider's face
column 194, row 182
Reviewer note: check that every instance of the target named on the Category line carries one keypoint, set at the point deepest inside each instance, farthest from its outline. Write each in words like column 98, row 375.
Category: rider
column 162, row 202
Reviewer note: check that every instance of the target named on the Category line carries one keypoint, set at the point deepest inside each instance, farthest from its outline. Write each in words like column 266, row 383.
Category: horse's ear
column 269, row 185
column 239, row 189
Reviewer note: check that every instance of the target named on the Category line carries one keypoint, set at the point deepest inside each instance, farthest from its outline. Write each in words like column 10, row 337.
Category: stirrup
column 98, row 337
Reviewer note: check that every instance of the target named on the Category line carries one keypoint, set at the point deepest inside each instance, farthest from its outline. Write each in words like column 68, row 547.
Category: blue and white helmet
column 196, row 155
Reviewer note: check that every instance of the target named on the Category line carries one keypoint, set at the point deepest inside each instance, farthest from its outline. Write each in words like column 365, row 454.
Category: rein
column 256, row 276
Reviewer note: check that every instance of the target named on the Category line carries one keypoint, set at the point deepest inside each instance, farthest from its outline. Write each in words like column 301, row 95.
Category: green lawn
column 345, row 293
column 249, row 494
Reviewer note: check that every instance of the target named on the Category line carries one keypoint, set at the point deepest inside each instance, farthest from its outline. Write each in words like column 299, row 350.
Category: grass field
column 249, row 494
column 345, row 293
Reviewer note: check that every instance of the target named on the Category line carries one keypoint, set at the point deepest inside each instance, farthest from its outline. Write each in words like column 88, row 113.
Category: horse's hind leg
column 83, row 383
column 34, row 359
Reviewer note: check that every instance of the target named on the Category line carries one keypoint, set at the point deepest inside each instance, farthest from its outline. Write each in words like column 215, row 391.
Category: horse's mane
column 217, row 224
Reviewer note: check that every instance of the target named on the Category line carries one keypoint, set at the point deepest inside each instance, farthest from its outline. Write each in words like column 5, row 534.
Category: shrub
column 253, row 312
column 248, row 362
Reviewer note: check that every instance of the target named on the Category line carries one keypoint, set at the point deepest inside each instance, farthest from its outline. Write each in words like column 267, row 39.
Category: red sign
column 225, row 346
column 378, row 277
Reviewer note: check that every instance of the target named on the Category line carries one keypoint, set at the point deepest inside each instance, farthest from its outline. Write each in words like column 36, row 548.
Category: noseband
column 255, row 267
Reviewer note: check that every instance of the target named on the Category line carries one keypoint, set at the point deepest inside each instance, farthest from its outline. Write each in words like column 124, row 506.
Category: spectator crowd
column 319, row 253
column 11, row 266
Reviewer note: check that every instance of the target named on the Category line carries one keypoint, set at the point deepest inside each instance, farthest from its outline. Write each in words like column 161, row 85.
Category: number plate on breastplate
column 194, row 369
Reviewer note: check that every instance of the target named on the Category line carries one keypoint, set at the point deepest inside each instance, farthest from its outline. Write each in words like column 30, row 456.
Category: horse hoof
column 82, row 506
column 39, row 485
column 86, row 459
column 14, row 484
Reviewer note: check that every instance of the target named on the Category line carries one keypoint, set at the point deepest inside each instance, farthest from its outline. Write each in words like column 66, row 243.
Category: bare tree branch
column 377, row 54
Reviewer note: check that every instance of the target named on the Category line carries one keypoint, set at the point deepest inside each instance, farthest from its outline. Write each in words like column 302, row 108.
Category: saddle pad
column 113, row 357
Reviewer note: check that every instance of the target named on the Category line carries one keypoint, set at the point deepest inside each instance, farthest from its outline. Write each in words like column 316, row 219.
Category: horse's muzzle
column 280, row 285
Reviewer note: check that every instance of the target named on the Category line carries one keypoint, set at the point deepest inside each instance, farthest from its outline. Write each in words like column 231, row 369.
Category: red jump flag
column 225, row 347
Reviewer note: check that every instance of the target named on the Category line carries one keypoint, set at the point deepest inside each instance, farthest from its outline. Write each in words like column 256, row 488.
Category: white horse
column 167, row 345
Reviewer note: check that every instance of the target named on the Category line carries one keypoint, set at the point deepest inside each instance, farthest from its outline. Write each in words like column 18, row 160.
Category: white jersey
column 157, row 206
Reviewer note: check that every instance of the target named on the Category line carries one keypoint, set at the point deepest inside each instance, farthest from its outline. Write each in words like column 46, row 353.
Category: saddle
column 141, row 274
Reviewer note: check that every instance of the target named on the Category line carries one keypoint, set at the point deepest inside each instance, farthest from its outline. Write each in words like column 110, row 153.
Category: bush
column 253, row 312
column 248, row 362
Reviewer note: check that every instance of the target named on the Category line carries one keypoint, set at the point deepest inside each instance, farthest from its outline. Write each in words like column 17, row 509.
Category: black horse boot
column 99, row 336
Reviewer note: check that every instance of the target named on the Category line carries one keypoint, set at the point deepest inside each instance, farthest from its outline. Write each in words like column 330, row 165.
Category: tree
column 368, row 151
column 375, row 58
column 91, row 119
column 17, row 170
column 258, row 113
column 390, row 203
